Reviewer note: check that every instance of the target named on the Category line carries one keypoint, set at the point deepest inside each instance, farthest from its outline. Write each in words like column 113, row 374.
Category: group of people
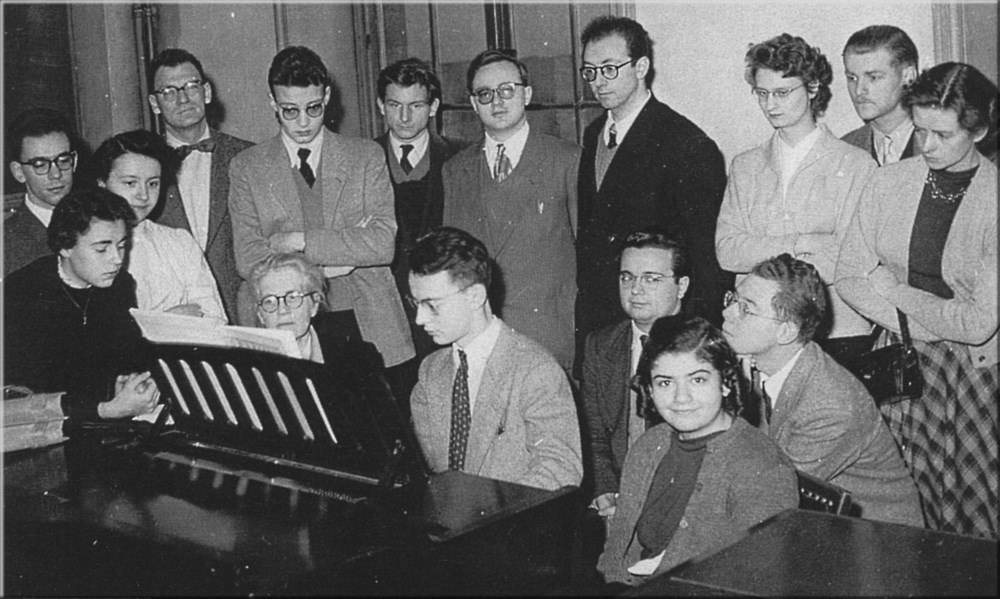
column 520, row 289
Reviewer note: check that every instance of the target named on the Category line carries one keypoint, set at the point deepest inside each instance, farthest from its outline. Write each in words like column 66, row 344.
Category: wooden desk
column 801, row 552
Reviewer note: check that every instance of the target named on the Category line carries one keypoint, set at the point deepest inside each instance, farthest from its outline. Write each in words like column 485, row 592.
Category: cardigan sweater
column 744, row 479
column 879, row 234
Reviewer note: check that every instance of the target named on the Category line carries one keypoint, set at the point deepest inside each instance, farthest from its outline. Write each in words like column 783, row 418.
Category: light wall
column 699, row 49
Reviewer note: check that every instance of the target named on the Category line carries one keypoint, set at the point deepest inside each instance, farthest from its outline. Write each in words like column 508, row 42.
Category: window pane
column 542, row 39
column 461, row 30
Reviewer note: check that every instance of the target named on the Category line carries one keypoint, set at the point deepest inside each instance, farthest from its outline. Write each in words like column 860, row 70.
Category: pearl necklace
column 940, row 195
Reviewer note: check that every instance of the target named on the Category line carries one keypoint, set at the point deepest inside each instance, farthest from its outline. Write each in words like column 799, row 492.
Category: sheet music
column 162, row 327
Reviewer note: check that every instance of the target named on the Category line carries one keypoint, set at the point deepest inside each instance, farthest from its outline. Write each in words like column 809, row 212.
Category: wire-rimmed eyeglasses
column 168, row 93
column 432, row 303
column 42, row 165
column 292, row 299
column 778, row 94
column 608, row 71
column 743, row 310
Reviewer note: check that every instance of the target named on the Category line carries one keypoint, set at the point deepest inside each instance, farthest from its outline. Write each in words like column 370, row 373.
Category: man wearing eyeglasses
column 516, row 190
column 813, row 408
column 654, row 276
column 492, row 402
column 643, row 165
column 326, row 196
column 42, row 158
column 198, row 200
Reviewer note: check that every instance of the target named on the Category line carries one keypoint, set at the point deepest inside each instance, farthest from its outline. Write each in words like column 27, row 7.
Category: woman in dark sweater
column 697, row 482
column 67, row 327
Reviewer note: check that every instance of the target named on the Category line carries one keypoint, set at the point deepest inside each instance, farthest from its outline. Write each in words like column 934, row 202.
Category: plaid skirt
column 948, row 438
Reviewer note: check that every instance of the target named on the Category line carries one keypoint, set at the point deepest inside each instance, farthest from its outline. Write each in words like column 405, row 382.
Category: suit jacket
column 24, row 240
column 668, row 173
column 606, row 400
column 880, row 234
column 862, row 138
column 219, row 249
column 744, row 479
column 429, row 210
column 263, row 200
column 529, row 233
column 524, row 423
column 827, row 423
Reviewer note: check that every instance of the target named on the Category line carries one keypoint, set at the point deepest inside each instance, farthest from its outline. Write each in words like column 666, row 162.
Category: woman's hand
column 135, row 394
column 187, row 310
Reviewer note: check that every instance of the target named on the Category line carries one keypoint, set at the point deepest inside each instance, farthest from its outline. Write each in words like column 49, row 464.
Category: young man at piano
column 68, row 327
column 493, row 402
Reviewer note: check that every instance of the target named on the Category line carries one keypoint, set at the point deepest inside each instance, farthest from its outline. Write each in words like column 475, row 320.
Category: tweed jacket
column 880, row 234
column 359, row 228
column 758, row 220
column 744, row 479
column 827, row 423
column 24, row 239
column 666, row 173
column 219, row 249
column 862, row 138
column 606, row 401
column 524, row 423
column 528, row 224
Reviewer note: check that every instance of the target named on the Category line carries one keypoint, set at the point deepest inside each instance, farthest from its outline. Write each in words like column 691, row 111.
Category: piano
column 272, row 476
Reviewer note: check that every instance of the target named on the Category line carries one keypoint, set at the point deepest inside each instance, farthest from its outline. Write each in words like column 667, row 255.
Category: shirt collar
column 173, row 142
column 636, row 336
column 623, row 125
column 315, row 148
column 482, row 346
column 774, row 383
column 419, row 146
column 513, row 146
column 42, row 213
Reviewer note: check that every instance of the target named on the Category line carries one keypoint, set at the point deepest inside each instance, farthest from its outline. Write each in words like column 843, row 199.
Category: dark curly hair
column 683, row 334
column 452, row 250
column 74, row 214
column 793, row 57
column 297, row 66
column 801, row 296
column 142, row 142
column 407, row 72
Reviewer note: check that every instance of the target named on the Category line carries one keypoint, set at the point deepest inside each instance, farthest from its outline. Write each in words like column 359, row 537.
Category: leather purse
column 891, row 373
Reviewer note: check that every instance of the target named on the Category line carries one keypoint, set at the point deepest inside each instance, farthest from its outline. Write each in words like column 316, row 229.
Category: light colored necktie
column 886, row 149
column 501, row 168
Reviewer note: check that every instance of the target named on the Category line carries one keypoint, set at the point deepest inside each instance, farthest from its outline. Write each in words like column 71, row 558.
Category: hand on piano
column 135, row 394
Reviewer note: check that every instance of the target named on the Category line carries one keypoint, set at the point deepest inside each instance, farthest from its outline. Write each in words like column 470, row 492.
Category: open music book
column 161, row 327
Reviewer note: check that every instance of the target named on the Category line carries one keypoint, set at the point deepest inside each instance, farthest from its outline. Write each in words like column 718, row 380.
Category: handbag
column 891, row 373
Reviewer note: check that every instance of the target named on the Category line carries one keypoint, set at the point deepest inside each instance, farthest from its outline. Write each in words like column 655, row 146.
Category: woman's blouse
column 170, row 269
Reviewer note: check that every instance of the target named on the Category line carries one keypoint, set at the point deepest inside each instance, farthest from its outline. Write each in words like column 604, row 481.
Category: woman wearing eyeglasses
column 796, row 192
column 169, row 268
column 924, row 241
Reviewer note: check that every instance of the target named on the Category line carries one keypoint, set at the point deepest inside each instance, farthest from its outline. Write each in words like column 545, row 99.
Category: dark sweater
column 47, row 346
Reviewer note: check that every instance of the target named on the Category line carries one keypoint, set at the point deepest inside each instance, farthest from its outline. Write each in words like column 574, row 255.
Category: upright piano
column 269, row 475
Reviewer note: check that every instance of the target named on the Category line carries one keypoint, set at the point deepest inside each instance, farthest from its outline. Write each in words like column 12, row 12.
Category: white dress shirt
column 477, row 353
column 194, row 181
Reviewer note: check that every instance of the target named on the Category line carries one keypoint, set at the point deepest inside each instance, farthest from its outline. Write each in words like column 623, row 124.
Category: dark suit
column 527, row 222
column 665, row 173
column 219, row 249
column 862, row 138
column 419, row 208
column 24, row 240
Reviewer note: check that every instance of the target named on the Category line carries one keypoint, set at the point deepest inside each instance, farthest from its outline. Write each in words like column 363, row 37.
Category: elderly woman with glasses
column 796, row 192
column 924, row 242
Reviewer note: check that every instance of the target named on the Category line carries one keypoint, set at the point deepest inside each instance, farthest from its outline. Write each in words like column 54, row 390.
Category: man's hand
column 287, row 242
column 135, row 394
column 605, row 504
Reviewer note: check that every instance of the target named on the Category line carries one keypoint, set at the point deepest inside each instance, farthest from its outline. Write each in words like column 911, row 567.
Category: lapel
column 791, row 392
column 632, row 158
column 617, row 404
column 218, row 206
column 471, row 174
column 492, row 403
column 531, row 171
column 334, row 173
column 278, row 173
column 439, row 384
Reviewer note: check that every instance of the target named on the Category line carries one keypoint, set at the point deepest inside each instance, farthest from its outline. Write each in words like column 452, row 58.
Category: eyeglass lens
column 506, row 91
column 290, row 113
column 42, row 166
column 292, row 299
column 191, row 88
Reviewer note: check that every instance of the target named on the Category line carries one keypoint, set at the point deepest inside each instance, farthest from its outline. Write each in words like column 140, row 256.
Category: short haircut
column 139, row 141
column 658, row 238
column 447, row 249
column 173, row 57
column 793, row 57
column 801, row 296
column 312, row 274
column 74, row 214
column 407, row 72
column 890, row 37
column 960, row 87
column 297, row 66
column 637, row 39
column 489, row 57
column 35, row 122
column 680, row 335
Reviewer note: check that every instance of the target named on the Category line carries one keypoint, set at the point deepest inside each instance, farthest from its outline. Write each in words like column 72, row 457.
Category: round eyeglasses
column 506, row 91
column 292, row 299
column 169, row 93
column 743, row 309
column 432, row 303
column 608, row 71
column 42, row 166
column 290, row 113
column 778, row 94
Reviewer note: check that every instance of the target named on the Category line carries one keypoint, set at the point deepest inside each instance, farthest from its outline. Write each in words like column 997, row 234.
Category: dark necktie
column 461, row 418
column 760, row 396
column 612, row 137
column 304, row 168
column 205, row 145
column 405, row 160
column 502, row 167
column 638, row 398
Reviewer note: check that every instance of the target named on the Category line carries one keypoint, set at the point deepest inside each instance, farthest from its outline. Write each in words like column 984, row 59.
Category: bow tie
column 205, row 145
